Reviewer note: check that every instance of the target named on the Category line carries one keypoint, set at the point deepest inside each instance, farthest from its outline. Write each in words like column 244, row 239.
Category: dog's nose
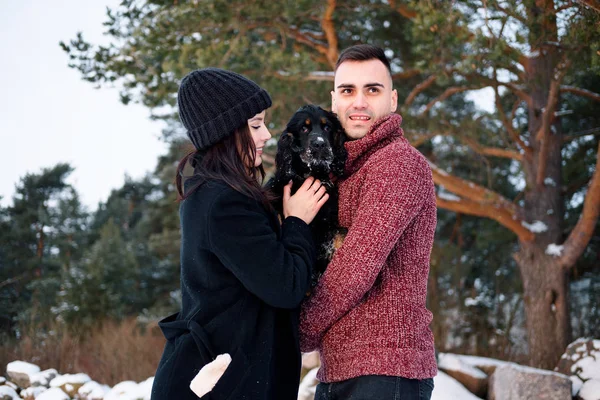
column 317, row 142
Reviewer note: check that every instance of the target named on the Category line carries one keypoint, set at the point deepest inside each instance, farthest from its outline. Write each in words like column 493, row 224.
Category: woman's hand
column 306, row 202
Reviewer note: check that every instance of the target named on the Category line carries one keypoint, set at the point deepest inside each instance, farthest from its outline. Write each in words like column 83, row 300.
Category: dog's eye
column 326, row 128
column 304, row 129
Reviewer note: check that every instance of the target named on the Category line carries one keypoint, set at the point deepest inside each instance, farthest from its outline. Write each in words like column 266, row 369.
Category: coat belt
column 173, row 328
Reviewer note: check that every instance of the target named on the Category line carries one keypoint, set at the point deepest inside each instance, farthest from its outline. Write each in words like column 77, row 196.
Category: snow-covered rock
column 513, row 382
column 590, row 390
column 581, row 361
column 20, row 372
column 445, row 388
column 8, row 393
column 11, row 385
column 2, row 380
column 143, row 390
column 487, row 365
column 308, row 386
column 474, row 379
column 92, row 391
column 31, row 393
column 43, row 378
column 122, row 391
column 70, row 383
column 53, row 394
column 576, row 384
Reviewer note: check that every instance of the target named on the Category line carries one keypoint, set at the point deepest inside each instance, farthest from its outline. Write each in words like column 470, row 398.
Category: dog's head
column 312, row 144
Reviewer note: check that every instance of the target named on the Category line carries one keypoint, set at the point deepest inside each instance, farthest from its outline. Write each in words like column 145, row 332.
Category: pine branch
column 501, row 216
column 510, row 85
column 473, row 192
column 565, row 6
column 584, row 229
column 520, row 93
column 300, row 37
column 580, row 92
column 577, row 135
column 515, row 107
column 324, row 76
column 447, row 93
column 319, row 36
column 492, row 151
column 575, row 186
column 406, row 74
column 509, row 13
column 474, row 145
column 15, row 279
column 544, row 131
column 403, row 10
column 418, row 89
column 593, row 4
column 417, row 141
column 507, row 124
column 329, row 29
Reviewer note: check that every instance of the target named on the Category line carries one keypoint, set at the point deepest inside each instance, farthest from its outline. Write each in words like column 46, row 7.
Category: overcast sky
column 49, row 115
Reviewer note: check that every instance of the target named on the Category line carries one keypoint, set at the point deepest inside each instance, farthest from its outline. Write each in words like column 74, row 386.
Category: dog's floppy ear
column 339, row 138
column 283, row 159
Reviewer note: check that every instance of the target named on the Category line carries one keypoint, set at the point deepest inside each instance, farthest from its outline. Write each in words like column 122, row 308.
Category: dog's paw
column 209, row 375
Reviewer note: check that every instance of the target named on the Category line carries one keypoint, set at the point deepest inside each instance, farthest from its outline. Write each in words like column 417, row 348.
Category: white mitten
column 208, row 376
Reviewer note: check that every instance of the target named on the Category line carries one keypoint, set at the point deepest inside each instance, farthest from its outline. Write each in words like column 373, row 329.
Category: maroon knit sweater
column 367, row 314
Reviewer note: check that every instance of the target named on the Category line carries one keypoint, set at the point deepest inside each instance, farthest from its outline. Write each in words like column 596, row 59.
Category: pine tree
column 529, row 54
column 44, row 213
column 103, row 284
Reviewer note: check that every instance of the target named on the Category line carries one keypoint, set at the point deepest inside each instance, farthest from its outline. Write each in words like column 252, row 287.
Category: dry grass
column 113, row 353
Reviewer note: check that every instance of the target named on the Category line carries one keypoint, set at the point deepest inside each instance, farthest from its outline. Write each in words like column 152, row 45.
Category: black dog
column 312, row 145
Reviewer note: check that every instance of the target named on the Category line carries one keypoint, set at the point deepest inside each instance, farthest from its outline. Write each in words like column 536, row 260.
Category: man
column 367, row 315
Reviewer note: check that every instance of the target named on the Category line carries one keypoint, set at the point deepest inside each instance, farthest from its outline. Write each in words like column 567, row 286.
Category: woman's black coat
column 243, row 276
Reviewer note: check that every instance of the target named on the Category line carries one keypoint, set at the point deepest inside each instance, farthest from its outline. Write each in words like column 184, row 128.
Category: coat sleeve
column 388, row 203
column 276, row 270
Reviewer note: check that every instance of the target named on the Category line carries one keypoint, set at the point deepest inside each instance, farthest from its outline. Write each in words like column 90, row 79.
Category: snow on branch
column 554, row 250
column 535, row 226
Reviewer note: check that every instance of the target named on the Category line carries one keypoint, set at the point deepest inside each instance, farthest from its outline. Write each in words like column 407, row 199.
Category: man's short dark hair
column 363, row 52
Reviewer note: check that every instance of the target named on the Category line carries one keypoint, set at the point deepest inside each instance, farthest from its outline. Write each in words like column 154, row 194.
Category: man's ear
column 333, row 105
column 394, row 101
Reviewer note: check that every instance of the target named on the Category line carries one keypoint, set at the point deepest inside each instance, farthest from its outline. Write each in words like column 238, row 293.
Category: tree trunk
column 39, row 252
column 545, row 286
column 545, row 282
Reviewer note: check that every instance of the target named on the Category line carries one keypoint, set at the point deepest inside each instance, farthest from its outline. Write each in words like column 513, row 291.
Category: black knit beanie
column 213, row 103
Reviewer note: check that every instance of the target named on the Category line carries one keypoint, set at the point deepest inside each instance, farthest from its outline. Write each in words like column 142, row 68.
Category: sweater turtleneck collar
column 381, row 133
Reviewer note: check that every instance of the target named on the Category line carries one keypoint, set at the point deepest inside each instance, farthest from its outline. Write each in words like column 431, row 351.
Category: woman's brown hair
column 231, row 160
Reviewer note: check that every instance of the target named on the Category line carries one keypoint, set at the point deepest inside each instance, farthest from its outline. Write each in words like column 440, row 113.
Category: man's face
column 362, row 94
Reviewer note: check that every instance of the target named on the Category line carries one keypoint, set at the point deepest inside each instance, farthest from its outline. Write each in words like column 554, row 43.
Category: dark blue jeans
column 376, row 387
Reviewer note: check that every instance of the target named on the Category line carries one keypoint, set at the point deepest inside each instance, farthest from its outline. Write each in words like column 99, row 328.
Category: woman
column 243, row 274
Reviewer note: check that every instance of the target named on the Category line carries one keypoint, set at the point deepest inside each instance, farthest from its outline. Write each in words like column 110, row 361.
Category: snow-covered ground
column 50, row 385
column 446, row 388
